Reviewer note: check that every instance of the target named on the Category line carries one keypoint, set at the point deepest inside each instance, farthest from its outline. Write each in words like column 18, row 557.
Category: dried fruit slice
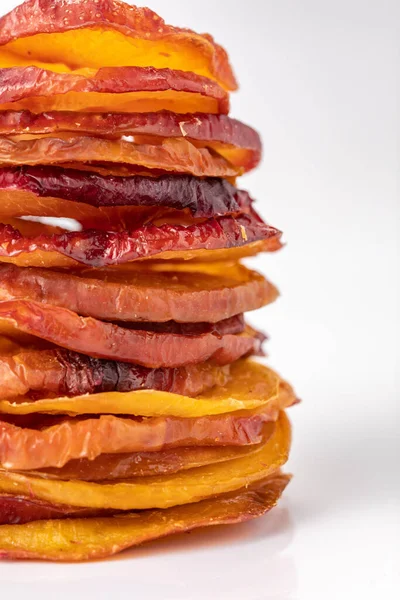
column 22, row 509
column 113, row 89
column 250, row 385
column 223, row 238
column 46, row 441
column 185, row 293
column 160, row 491
column 171, row 154
column 102, row 537
column 75, row 35
column 55, row 372
column 232, row 139
column 112, row 467
column 20, row 319
column 103, row 201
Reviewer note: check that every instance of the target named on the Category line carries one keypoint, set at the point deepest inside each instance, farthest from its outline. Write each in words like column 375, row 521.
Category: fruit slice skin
column 54, row 372
column 232, row 139
column 32, row 190
column 250, row 385
column 100, row 538
column 100, row 248
column 161, row 491
column 52, row 442
column 22, row 509
column 24, row 320
column 186, row 293
column 170, row 155
column 93, row 34
column 112, row 467
column 112, row 89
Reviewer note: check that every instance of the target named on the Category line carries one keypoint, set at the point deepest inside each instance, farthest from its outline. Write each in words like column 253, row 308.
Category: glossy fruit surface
column 235, row 236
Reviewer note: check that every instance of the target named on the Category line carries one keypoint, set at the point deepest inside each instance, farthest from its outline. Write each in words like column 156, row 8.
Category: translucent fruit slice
column 185, row 293
column 72, row 36
column 90, row 539
column 112, row 467
column 114, row 90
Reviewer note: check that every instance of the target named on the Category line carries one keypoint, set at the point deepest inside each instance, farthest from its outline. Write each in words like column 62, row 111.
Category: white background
column 318, row 80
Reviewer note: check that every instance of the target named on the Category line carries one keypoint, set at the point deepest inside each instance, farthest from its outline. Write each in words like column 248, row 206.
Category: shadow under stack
column 131, row 405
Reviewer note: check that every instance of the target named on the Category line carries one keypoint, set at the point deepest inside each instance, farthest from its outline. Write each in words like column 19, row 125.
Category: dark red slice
column 22, row 509
column 110, row 89
column 59, row 372
column 237, row 142
column 19, row 318
column 101, row 248
column 23, row 190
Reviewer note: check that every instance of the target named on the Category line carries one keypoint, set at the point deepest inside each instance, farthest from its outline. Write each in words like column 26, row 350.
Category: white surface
column 318, row 80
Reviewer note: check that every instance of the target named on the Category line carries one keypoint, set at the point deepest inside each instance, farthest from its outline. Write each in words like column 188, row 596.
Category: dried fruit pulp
column 58, row 372
column 112, row 467
column 247, row 385
column 159, row 491
column 239, row 143
column 39, row 441
column 24, row 320
column 186, row 293
column 172, row 154
column 101, row 248
column 102, row 537
column 76, row 35
column 109, row 202
column 116, row 90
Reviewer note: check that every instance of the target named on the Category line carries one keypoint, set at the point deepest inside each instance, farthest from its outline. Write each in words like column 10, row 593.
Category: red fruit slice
column 100, row 248
column 186, row 293
column 73, row 35
column 22, row 509
column 114, row 89
column 59, row 372
column 172, row 154
column 90, row 539
column 105, row 340
column 52, row 442
column 235, row 141
column 103, row 202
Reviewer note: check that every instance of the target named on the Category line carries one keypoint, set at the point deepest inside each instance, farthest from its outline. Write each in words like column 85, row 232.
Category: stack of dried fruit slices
column 130, row 405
